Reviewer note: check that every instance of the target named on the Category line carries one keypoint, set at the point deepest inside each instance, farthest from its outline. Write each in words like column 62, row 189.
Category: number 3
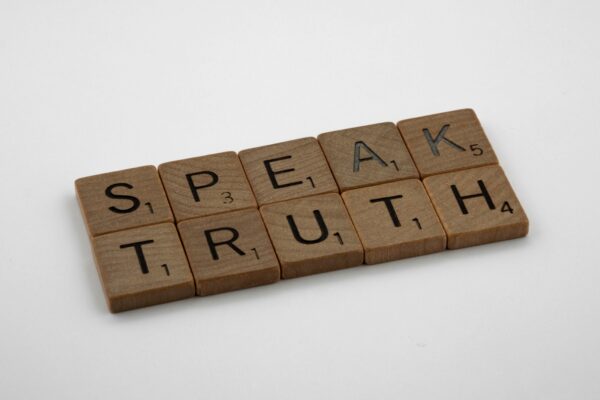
column 227, row 199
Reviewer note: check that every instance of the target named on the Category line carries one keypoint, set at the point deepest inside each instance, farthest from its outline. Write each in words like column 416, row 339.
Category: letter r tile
column 287, row 170
column 142, row 267
column 312, row 235
column 447, row 142
column 367, row 155
column 206, row 185
column 477, row 206
column 229, row 251
column 124, row 199
column 395, row 220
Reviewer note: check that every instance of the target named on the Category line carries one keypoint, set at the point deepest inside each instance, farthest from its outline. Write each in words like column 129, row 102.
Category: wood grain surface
column 395, row 220
column 367, row 155
column 159, row 274
column 477, row 206
column 325, row 238
column 229, row 251
column 448, row 141
column 121, row 200
column 287, row 170
column 206, row 185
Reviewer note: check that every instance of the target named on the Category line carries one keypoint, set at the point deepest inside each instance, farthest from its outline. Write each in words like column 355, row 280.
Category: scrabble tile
column 477, row 206
column 447, row 142
column 229, row 252
column 123, row 199
column 206, row 185
column 312, row 235
column 395, row 220
column 142, row 266
column 287, row 170
column 367, row 155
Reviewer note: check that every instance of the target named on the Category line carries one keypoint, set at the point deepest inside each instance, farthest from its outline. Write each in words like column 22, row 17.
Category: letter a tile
column 395, row 220
column 367, row 155
column 229, row 251
column 124, row 199
column 142, row 267
column 447, row 142
column 477, row 206
column 288, row 170
column 312, row 235
column 206, row 185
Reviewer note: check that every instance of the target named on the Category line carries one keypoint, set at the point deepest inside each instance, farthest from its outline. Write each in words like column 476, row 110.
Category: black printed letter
column 320, row 222
column 134, row 200
column 273, row 178
column 213, row 245
column 194, row 188
column 484, row 193
column 140, row 253
column 390, row 207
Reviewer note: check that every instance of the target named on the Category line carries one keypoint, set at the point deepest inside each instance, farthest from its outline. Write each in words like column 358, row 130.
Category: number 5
column 477, row 151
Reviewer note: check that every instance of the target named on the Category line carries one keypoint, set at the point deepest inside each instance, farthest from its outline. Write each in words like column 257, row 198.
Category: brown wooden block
column 477, row 206
column 122, row 199
column 142, row 266
column 312, row 235
column 367, row 155
column 395, row 220
column 287, row 170
column 229, row 251
column 206, row 185
column 447, row 142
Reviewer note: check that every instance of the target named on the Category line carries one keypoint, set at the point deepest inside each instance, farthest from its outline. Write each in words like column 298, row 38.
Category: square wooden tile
column 367, row 155
column 446, row 142
column 229, row 251
column 206, row 185
column 395, row 220
column 477, row 206
column 142, row 266
column 288, row 170
column 122, row 199
column 312, row 235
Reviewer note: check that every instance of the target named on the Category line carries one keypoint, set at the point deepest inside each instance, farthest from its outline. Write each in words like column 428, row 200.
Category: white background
column 91, row 87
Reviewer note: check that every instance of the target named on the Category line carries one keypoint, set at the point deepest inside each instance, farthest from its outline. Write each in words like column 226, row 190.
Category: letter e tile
column 288, row 170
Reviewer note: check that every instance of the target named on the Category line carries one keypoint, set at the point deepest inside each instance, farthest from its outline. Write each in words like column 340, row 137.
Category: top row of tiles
column 216, row 183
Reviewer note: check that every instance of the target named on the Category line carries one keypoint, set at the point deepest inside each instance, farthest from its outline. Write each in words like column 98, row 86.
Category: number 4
column 506, row 207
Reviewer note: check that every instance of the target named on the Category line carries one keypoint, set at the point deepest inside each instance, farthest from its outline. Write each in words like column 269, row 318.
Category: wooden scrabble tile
column 477, row 206
column 312, row 234
column 229, row 251
column 367, row 155
column 287, row 170
column 447, row 142
column 123, row 199
column 206, row 185
column 395, row 220
column 142, row 266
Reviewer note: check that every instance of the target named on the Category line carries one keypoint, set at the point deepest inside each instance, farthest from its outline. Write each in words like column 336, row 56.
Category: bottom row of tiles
column 241, row 249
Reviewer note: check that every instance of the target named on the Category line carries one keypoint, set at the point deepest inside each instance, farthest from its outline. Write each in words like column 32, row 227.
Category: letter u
column 320, row 222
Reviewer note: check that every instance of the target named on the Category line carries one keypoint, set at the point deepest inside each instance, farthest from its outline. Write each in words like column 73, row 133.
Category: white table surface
column 89, row 87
